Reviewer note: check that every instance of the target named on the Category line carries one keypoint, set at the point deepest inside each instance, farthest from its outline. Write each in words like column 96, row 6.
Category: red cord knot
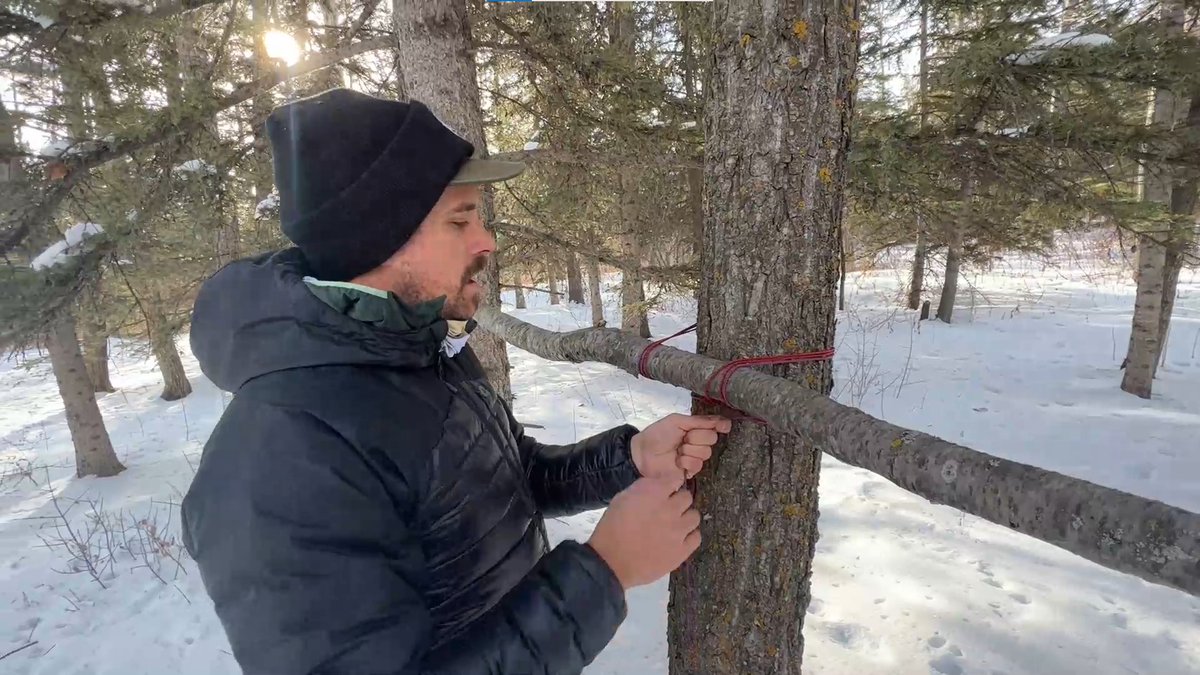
column 723, row 375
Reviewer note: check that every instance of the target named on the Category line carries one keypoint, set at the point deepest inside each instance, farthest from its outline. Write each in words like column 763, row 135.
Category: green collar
column 375, row 307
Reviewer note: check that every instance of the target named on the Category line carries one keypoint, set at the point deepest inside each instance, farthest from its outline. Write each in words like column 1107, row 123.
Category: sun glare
column 281, row 46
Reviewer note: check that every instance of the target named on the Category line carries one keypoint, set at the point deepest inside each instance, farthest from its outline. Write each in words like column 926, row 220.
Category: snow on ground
column 900, row 586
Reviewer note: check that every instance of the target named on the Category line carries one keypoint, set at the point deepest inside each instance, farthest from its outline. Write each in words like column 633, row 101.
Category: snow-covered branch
column 1143, row 537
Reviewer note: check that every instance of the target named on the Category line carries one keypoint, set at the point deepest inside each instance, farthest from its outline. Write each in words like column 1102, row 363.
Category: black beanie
column 356, row 175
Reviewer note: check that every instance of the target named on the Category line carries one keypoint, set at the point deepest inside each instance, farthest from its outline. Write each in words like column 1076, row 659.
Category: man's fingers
column 691, row 521
column 663, row 485
column 714, row 422
column 690, row 465
column 680, row 501
column 697, row 451
column 701, row 437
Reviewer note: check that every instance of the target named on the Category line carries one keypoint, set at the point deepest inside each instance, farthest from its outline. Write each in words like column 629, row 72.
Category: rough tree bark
column 778, row 115
column 90, row 321
column 595, row 297
column 1124, row 532
column 574, row 279
column 917, row 284
column 94, row 336
column 433, row 41
column 520, row 292
column 623, row 35
column 552, row 282
column 633, row 291
column 955, row 231
column 166, row 354
column 1184, row 195
column 1145, row 340
column 94, row 454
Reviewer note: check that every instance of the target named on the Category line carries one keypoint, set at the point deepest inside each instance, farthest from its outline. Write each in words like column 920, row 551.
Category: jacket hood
column 258, row 316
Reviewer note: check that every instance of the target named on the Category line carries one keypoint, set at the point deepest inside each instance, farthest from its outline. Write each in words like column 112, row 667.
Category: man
column 367, row 504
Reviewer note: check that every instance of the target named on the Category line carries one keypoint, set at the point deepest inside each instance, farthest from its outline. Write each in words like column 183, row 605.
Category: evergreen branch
column 12, row 23
column 367, row 12
column 170, row 123
column 607, row 158
column 652, row 272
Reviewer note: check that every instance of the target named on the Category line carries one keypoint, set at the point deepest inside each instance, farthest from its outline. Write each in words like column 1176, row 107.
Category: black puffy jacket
column 368, row 505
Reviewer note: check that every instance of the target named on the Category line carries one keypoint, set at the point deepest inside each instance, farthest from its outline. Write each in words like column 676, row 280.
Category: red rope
column 723, row 375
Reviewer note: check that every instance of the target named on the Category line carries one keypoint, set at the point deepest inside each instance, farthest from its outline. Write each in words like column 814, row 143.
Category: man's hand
column 677, row 446
column 647, row 531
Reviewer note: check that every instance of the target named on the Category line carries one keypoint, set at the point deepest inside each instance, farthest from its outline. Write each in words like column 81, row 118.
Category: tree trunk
column 918, row 270
column 916, row 286
column 552, row 282
column 574, row 279
column 95, row 358
column 260, row 109
column 1121, row 531
column 520, row 295
column 1145, row 340
column 1144, row 337
column 595, row 292
column 954, row 245
column 1184, row 195
column 945, row 310
column 162, row 343
column 633, row 292
column 433, row 40
column 94, row 454
column 623, row 36
column 695, row 198
column 773, row 204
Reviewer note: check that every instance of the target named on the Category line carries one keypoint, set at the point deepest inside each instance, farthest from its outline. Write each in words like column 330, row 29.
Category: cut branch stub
column 1124, row 532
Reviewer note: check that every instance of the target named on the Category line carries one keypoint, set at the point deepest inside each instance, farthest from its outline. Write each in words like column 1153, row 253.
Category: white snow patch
column 196, row 166
column 1014, row 132
column 133, row 4
column 532, row 145
column 54, row 254
column 268, row 207
column 1039, row 49
column 56, row 147
column 43, row 20
column 688, row 125
column 59, row 251
column 80, row 231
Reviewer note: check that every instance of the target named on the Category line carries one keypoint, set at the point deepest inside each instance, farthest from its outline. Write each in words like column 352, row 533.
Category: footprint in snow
column 946, row 664
column 937, row 642
column 1119, row 620
column 1020, row 597
column 852, row 636
column 992, row 582
column 816, row 607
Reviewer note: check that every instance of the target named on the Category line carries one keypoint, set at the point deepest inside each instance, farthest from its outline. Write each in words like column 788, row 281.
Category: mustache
column 475, row 268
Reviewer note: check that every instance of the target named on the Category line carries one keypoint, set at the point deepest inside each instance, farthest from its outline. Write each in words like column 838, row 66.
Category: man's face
column 442, row 258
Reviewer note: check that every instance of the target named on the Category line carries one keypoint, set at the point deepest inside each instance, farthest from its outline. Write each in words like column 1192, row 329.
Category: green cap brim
column 479, row 171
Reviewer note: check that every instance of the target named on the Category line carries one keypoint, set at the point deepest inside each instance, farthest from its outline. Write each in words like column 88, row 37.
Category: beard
column 461, row 302
column 463, row 305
